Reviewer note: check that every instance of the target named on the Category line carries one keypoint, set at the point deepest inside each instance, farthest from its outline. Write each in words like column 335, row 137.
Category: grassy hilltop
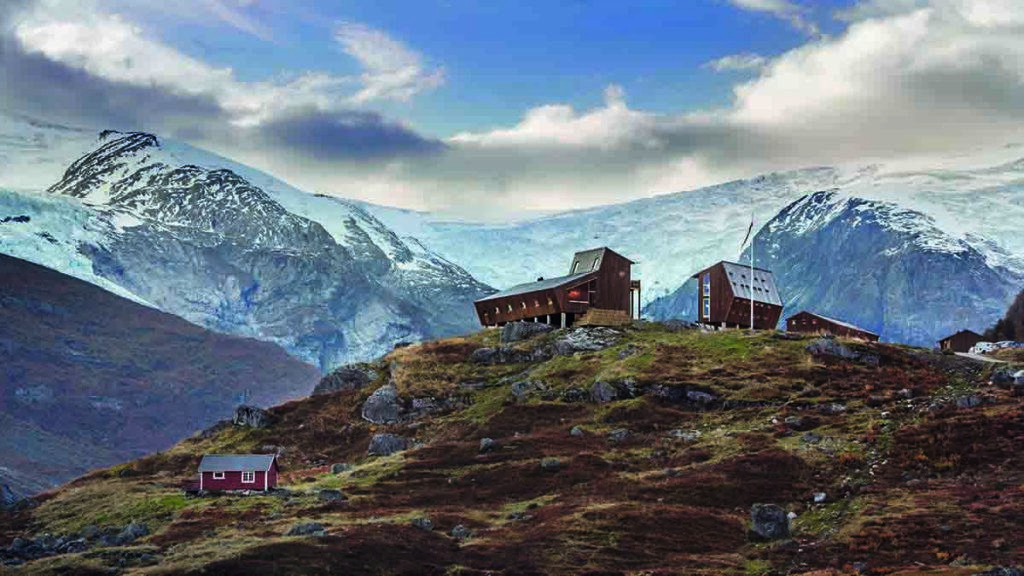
column 652, row 471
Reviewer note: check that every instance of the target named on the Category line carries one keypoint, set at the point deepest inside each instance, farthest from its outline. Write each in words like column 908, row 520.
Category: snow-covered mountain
column 188, row 232
column 886, row 268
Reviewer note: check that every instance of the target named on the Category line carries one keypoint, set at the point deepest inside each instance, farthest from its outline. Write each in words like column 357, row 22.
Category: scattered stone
column 576, row 432
column 627, row 351
column 819, row 497
column 524, row 388
column 461, row 532
column 251, row 416
column 509, row 355
column 517, row 331
column 834, row 408
column 672, row 472
column 794, row 421
column 969, row 401
column 586, row 339
column 618, row 435
column 698, row 399
column 132, row 532
column 685, row 435
column 1001, row 571
column 1018, row 378
column 382, row 406
column 550, row 464
column 487, row 445
column 810, row 438
column 307, row 529
column 341, row 468
column 602, row 392
column 770, row 521
column 349, row 377
column 574, row 395
column 387, row 444
column 330, row 495
column 519, row 516
column 422, row 523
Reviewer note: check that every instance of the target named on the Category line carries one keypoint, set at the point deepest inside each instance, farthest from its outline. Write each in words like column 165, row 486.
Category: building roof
column 834, row 321
column 236, row 462
column 535, row 286
column 971, row 332
column 764, row 291
column 591, row 260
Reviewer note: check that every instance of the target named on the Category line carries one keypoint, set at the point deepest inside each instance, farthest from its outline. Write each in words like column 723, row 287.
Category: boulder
column 349, row 377
column 508, row 355
column 1001, row 571
column 461, row 532
column 307, row 529
column 770, row 521
column 341, row 468
column 382, row 406
column 810, row 438
column 618, row 435
column 524, row 388
column 487, row 445
column 550, row 464
column 251, row 416
column 1002, row 376
column 331, row 495
column 422, row 523
column 685, row 435
column 832, row 348
column 576, row 432
column 1018, row 378
column 574, row 395
column 602, row 392
column 133, row 532
column 387, row 444
column 586, row 339
column 517, row 331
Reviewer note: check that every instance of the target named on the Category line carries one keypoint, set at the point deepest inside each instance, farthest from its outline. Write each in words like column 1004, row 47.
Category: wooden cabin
column 724, row 292
column 810, row 323
column 962, row 341
column 598, row 279
column 238, row 472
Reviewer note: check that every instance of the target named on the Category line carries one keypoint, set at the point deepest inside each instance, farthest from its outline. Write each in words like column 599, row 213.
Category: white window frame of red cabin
column 218, row 475
column 252, row 476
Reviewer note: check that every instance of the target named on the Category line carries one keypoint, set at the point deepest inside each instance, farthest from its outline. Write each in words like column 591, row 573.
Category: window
column 497, row 311
column 550, row 301
column 218, row 475
column 593, row 265
column 536, row 303
column 510, row 308
column 707, row 284
column 524, row 304
column 707, row 307
column 248, row 477
column 575, row 267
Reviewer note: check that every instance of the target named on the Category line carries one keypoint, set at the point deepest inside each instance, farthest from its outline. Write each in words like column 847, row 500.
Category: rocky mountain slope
column 92, row 379
column 236, row 251
column 644, row 450
column 888, row 269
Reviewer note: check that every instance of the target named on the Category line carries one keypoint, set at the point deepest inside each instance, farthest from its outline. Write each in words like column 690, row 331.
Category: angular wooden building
column 598, row 280
column 238, row 472
column 962, row 341
column 724, row 292
column 810, row 323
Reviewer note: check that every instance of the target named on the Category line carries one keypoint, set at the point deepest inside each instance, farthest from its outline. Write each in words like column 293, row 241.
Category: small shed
column 238, row 472
column 962, row 341
column 811, row 323
column 725, row 291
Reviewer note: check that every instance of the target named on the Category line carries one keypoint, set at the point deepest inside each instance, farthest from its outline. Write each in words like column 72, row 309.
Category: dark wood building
column 811, row 323
column 238, row 472
column 598, row 279
column 962, row 341
column 724, row 292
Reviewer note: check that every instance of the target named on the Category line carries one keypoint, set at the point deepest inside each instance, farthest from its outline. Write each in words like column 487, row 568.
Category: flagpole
column 752, row 238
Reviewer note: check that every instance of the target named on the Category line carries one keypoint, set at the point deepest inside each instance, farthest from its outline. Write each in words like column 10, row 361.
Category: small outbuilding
column 811, row 323
column 725, row 291
column 238, row 472
column 962, row 341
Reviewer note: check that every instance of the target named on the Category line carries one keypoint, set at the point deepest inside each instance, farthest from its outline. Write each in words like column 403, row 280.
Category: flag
column 749, row 230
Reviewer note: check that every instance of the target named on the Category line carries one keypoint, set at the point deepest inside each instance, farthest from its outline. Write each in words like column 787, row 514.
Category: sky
column 494, row 109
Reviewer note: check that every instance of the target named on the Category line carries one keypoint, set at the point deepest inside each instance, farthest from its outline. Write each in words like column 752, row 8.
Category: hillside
column 1010, row 326
column 584, row 451
column 92, row 379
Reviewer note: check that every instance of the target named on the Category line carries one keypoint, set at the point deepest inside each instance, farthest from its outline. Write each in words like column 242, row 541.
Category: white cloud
column 782, row 9
column 392, row 71
column 744, row 62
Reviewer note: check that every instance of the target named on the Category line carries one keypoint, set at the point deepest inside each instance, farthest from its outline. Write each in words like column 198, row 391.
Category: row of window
column 247, row 477
column 497, row 309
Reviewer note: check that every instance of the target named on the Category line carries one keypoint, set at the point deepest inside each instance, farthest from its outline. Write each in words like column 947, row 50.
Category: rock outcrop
column 348, row 377
column 382, row 406
column 251, row 416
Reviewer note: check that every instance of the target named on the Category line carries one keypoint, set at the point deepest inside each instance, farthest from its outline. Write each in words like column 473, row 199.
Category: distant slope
column 1011, row 325
column 888, row 269
column 91, row 378
column 228, row 247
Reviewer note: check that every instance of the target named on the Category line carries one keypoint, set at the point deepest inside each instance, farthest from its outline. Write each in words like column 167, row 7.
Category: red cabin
column 811, row 323
column 724, row 292
column 598, row 281
column 238, row 472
